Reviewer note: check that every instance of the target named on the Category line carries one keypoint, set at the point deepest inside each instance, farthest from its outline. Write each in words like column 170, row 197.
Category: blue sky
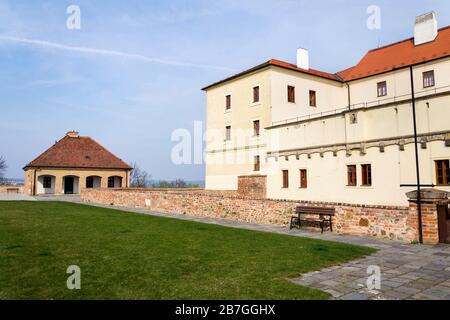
column 53, row 80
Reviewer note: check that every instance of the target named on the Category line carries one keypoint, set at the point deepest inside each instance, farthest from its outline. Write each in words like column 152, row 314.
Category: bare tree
column 179, row 183
column 3, row 167
column 139, row 178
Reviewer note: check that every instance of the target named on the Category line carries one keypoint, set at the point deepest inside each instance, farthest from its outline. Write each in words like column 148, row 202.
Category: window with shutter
column 303, row 179
column 228, row 102
column 382, row 88
column 256, row 128
column 366, row 175
column 312, row 98
column 256, row 164
column 228, row 133
column 255, row 94
column 351, row 175
column 291, row 93
column 428, row 79
column 442, row 172
column 285, row 178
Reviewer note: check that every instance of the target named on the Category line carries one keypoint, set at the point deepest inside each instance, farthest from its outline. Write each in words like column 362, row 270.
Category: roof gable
column 78, row 152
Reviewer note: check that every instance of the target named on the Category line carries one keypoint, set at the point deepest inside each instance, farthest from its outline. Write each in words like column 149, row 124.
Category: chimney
column 425, row 28
column 302, row 58
column 72, row 134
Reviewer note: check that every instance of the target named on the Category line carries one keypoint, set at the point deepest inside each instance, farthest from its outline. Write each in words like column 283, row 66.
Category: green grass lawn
column 130, row 256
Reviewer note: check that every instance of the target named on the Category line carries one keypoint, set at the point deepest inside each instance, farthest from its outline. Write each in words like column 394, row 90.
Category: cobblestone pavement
column 408, row 271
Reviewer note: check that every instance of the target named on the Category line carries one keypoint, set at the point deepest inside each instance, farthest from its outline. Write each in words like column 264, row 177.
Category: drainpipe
column 348, row 95
column 416, row 150
column 345, row 119
column 34, row 182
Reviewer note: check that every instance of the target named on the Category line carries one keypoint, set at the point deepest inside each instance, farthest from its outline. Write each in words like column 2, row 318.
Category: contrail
column 113, row 53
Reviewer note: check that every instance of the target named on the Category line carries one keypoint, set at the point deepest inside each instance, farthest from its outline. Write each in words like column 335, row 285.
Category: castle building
column 345, row 137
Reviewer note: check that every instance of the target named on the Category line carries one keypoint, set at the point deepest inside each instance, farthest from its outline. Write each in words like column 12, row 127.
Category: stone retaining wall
column 388, row 222
column 11, row 189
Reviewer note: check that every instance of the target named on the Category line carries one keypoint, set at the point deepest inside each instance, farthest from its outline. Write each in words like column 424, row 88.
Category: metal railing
column 364, row 105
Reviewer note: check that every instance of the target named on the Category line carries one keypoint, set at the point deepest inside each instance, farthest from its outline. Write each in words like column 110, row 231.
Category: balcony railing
column 363, row 105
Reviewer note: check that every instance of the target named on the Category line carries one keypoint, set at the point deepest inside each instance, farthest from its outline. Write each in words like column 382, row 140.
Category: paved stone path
column 15, row 197
column 408, row 271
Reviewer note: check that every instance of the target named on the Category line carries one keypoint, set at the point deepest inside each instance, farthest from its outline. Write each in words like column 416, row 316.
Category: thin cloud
column 112, row 53
column 54, row 82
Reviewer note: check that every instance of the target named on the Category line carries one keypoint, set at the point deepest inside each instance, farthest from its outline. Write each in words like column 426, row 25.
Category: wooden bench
column 316, row 217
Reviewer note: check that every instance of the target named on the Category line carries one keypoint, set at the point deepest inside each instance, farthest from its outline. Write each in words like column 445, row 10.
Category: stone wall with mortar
column 389, row 222
column 253, row 186
column 11, row 189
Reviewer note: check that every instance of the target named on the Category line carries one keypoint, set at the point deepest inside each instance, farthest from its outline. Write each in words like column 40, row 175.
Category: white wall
column 40, row 186
column 399, row 83
column 327, row 175
column 330, row 95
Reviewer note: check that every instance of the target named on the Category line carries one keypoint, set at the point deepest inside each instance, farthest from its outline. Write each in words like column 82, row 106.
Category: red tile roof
column 391, row 57
column 78, row 152
column 277, row 63
column 313, row 72
column 399, row 55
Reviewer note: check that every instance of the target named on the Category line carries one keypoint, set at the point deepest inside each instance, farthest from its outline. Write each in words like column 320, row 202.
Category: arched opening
column 71, row 185
column 93, row 182
column 114, row 182
column 46, row 184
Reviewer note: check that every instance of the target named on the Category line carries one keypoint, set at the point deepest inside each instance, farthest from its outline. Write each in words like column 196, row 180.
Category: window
column 110, row 182
column 428, row 79
column 47, row 182
column 351, row 175
column 228, row 133
column 312, row 98
column 353, row 118
column 303, row 179
column 256, row 164
column 442, row 172
column 256, row 128
column 382, row 89
column 228, row 102
column 89, row 182
column 255, row 94
column 366, row 174
column 285, row 178
column 291, row 93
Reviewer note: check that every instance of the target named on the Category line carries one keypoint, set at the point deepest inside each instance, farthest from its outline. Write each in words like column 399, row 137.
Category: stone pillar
column 59, row 184
column 430, row 198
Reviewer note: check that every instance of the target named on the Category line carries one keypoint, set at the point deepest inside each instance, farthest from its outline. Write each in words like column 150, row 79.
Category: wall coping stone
column 214, row 194
column 429, row 195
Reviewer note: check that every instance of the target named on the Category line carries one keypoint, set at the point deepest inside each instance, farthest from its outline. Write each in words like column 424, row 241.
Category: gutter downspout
column 34, row 182
column 345, row 118
column 348, row 95
column 416, row 150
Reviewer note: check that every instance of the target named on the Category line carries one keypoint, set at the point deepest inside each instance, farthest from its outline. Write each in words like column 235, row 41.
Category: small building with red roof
column 72, row 163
